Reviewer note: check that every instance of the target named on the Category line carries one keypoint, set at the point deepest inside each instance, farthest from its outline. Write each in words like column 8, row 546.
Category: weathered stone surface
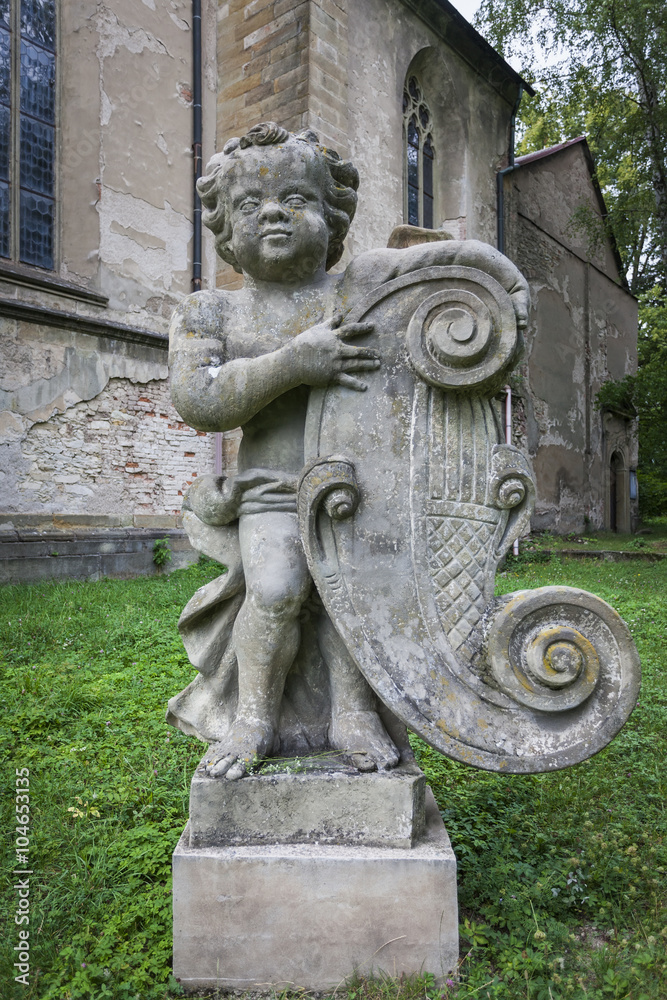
column 309, row 915
column 367, row 406
column 325, row 804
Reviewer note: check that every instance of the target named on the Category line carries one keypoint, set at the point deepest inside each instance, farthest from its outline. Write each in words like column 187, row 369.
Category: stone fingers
column 347, row 351
column 354, row 329
column 351, row 382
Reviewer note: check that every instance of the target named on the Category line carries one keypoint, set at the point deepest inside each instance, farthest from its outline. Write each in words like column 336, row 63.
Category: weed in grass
column 562, row 877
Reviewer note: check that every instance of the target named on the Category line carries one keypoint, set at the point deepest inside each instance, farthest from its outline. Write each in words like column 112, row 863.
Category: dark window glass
column 36, row 230
column 420, row 156
column 4, row 143
column 5, row 65
column 38, row 22
column 5, row 127
column 427, row 177
column 38, row 77
column 4, row 219
column 413, row 173
column 36, row 156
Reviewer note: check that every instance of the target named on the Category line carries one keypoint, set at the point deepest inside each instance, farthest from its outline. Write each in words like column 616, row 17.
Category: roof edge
column 454, row 29
column 541, row 154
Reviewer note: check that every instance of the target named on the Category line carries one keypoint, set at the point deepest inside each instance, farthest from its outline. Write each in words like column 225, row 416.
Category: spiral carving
column 327, row 484
column 511, row 492
column 546, row 648
column 341, row 502
column 463, row 335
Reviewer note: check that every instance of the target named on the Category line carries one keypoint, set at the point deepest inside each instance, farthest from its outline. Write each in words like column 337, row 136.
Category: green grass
column 652, row 538
column 562, row 882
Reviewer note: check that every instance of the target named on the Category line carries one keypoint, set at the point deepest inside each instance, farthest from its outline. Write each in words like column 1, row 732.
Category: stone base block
column 325, row 804
column 310, row 916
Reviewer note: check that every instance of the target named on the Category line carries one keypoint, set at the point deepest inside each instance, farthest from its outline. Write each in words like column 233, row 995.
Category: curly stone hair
column 340, row 194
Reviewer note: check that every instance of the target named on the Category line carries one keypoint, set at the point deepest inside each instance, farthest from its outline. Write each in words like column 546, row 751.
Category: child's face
column 275, row 197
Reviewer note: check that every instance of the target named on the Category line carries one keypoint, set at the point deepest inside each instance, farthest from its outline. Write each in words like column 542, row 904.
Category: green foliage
column 86, row 673
column 562, row 876
column 652, row 495
column 601, row 72
column 161, row 551
column 645, row 395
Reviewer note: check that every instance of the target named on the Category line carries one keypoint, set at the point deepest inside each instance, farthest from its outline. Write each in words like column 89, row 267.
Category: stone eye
column 295, row 201
column 249, row 205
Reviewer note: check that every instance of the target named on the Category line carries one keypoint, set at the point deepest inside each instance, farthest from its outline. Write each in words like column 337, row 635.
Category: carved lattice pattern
column 458, row 550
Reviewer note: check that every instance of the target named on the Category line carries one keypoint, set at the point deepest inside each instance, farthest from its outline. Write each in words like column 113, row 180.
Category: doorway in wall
column 615, row 478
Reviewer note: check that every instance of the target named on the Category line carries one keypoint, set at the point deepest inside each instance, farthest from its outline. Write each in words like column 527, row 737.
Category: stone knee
column 278, row 595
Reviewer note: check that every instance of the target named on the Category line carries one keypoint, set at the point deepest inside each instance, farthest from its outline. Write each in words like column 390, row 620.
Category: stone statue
column 374, row 496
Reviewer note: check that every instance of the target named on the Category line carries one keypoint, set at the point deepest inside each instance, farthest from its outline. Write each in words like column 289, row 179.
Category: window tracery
column 419, row 156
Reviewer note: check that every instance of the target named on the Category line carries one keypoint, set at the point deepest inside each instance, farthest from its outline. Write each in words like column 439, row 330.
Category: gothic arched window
column 419, row 156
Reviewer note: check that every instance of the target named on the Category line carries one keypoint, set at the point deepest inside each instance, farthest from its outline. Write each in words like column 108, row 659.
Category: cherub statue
column 280, row 206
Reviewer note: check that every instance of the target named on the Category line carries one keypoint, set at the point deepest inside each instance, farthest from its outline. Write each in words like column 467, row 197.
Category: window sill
column 31, row 277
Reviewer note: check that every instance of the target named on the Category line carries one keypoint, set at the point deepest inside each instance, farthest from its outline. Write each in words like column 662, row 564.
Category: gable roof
column 453, row 28
column 542, row 154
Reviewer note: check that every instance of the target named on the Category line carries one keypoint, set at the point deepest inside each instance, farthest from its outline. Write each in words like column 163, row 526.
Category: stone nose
column 272, row 210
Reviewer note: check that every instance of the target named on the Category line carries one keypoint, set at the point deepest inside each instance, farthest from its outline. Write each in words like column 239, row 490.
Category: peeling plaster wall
column 88, row 427
column 86, row 424
column 386, row 41
column 117, row 452
column 582, row 331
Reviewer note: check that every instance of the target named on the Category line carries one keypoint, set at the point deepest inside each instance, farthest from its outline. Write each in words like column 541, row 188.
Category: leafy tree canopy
column 600, row 70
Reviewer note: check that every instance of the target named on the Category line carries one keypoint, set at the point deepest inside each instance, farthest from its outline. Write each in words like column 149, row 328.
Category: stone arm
column 213, row 392
column 379, row 266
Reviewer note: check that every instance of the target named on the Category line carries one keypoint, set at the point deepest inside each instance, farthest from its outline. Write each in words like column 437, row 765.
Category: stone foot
column 235, row 756
column 362, row 737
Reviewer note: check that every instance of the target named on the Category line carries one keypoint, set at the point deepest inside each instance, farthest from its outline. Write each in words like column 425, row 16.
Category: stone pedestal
column 332, row 900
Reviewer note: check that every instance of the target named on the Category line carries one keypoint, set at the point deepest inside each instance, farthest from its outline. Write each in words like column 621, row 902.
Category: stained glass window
column 27, row 130
column 419, row 157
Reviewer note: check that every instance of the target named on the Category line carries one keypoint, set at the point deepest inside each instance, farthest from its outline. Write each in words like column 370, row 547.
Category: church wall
column 339, row 68
column 386, row 40
column 582, row 331
column 84, row 349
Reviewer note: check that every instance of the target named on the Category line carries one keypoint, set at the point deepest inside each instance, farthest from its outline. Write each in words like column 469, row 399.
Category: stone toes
column 221, row 767
column 236, row 771
column 363, row 762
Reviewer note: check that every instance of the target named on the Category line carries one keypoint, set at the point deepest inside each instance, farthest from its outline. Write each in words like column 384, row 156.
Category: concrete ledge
column 310, row 916
column 331, row 804
column 608, row 555
column 94, row 522
column 31, row 556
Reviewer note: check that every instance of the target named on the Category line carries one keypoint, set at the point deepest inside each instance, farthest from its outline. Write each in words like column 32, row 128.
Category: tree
column 605, row 76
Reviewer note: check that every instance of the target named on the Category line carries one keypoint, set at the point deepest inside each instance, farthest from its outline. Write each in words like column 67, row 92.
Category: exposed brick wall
column 124, row 452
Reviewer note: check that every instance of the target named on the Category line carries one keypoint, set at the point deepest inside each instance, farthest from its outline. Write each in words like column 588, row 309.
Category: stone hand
column 322, row 354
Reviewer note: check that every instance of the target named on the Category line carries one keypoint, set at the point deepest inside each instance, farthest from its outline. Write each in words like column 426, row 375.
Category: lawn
column 651, row 539
column 562, row 882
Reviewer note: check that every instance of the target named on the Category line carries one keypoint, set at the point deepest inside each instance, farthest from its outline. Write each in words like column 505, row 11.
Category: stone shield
column 409, row 500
